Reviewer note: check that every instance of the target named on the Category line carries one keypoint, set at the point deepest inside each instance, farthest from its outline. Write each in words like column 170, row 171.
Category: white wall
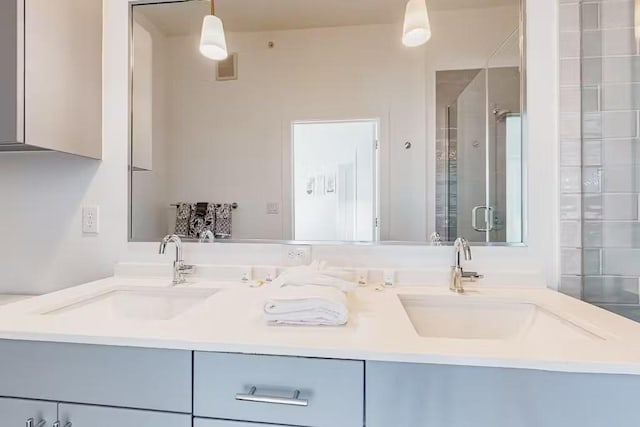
column 42, row 193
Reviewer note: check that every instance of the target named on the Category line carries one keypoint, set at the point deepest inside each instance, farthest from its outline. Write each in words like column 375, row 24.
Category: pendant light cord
column 213, row 8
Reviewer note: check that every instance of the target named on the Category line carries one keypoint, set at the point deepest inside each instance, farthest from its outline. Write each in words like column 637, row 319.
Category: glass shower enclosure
column 479, row 174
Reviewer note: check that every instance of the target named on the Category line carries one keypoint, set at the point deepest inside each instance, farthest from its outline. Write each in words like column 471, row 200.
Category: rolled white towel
column 307, row 305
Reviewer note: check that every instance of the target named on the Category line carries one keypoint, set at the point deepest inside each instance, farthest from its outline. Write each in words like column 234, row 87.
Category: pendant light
column 417, row 29
column 213, row 44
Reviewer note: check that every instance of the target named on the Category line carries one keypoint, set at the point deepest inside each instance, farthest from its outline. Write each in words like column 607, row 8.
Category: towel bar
column 233, row 205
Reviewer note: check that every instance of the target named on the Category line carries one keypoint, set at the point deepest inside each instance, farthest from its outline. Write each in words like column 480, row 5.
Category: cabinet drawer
column 262, row 388
column 95, row 416
column 202, row 422
column 110, row 376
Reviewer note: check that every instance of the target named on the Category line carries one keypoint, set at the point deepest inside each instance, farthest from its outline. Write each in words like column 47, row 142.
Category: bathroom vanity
column 90, row 385
column 137, row 352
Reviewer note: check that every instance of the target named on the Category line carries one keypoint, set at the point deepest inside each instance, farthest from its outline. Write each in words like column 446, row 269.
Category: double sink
column 461, row 317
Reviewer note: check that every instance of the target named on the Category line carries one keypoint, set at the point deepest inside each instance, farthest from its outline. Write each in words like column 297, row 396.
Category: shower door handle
column 488, row 218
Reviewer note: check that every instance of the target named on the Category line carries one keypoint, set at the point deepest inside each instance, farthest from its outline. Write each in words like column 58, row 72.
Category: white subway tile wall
column 600, row 168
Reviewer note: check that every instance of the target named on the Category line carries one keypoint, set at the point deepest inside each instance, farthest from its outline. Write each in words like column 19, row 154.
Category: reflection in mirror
column 479, row 146
column 320, row 123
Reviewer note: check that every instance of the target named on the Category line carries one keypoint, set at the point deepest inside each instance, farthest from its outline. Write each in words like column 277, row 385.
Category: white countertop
column 378, row 329
column 9, row 298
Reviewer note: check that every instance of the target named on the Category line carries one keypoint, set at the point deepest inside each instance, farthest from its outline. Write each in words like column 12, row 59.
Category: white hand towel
column 302, row 278
column 307, row 305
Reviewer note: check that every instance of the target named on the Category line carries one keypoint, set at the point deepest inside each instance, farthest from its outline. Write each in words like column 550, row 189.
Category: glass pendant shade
column 417, row 29
column 213, row 44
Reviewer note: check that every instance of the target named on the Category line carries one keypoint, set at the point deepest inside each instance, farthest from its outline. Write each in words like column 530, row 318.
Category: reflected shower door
column 471, row 160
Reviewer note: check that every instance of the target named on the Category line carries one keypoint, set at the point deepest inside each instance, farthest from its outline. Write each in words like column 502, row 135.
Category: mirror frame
column 525, row 143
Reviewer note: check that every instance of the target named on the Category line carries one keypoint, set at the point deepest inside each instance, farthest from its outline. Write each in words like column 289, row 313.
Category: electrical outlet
column 362, row 277
column 273, row 208
column 297, row 255
column 389, row 277
column 91, row 219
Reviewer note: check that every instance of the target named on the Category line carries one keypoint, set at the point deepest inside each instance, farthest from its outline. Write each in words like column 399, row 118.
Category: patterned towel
column 202, row 219
column 223, row 221
column 183, row 218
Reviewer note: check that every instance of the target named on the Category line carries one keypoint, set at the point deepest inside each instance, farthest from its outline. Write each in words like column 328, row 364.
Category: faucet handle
column 186, row 269
column 472, row 275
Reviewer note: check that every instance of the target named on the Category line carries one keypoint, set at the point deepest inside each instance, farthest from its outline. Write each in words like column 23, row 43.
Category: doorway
column 335, row 181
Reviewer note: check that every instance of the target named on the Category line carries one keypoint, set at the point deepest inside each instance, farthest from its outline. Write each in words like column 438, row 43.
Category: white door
column 335, row 180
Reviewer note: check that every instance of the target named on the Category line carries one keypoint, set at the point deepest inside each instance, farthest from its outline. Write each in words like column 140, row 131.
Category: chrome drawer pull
column 275, row 400
column 31, row 421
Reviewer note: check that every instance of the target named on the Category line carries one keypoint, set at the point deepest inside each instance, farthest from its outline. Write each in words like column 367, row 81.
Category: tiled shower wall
column 600, row 154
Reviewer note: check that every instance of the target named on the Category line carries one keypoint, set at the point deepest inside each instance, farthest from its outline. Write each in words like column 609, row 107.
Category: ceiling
column 185, row 17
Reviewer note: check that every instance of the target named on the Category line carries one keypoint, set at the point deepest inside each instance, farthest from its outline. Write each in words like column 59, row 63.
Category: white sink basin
column 471, row 317
column 135, row 303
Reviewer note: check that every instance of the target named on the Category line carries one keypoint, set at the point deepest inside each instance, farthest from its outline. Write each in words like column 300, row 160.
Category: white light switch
column 91, row 219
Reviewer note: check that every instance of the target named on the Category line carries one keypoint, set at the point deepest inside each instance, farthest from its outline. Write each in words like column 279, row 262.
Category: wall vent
column 228, row 69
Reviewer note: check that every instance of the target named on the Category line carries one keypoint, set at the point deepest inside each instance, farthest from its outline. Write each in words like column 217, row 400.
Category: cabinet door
column 413, row 395
column 94, row 416
column 97, row 375
column 10, row 72
column 17, row 412
column 63, row 76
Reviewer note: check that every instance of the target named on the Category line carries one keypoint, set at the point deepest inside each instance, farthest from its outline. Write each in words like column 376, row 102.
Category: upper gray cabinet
column 51, row 76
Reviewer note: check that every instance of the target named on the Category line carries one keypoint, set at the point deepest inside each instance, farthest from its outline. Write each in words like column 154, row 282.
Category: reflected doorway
column 335, row 181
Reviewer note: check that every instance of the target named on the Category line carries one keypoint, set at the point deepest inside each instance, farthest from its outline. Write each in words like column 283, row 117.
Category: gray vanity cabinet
column 96, row 416
column 409, row 395
column 51, row 76
column 19, row 412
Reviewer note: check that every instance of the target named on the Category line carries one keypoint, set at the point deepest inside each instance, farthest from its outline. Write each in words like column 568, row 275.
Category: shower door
column 480, row 153
column 503, row 214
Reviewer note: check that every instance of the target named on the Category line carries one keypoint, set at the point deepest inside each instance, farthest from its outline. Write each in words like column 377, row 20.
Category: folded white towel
column 307, row 305
column 314, row 279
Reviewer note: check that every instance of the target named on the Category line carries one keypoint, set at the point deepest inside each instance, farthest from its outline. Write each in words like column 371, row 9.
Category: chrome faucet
column 461, row 246
column 207, row 236
column 179, row 267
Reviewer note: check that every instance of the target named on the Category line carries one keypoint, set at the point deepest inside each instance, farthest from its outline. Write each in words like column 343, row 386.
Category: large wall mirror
column 321, row 125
